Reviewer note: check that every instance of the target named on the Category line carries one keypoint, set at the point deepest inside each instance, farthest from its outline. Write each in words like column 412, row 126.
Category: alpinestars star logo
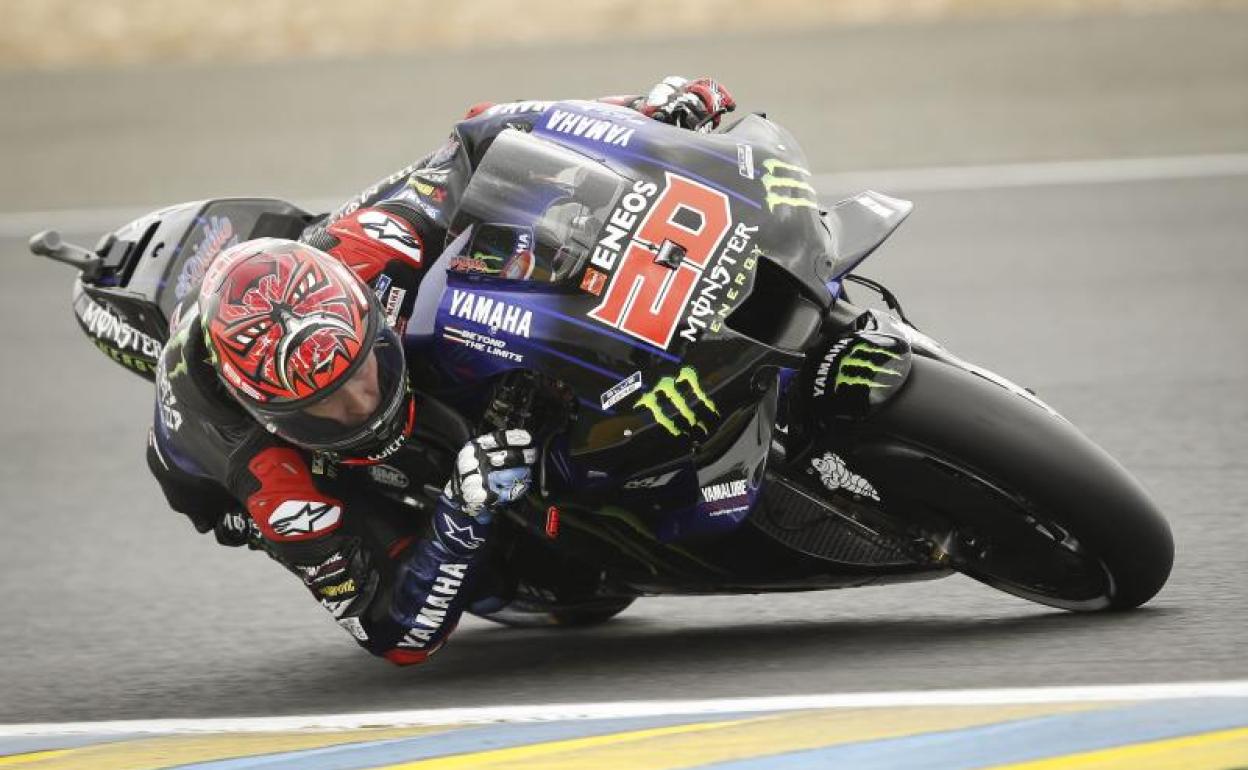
column 380, row 226
column 668, row 394
column 786, row 185
column 301, row 517
column 858, row 368
column 464, row 535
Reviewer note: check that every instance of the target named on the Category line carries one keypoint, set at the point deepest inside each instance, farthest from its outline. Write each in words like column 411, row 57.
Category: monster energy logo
column 493, row 263
column 856, row 358
column 668, row 391
column 786, row 185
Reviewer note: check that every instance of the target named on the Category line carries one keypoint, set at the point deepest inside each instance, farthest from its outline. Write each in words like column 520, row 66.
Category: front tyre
column 1008, row 493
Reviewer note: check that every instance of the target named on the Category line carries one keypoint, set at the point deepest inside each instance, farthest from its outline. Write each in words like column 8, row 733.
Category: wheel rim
column 1037, row 568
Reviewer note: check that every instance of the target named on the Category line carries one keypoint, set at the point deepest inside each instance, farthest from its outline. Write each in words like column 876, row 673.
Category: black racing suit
column 394, row 574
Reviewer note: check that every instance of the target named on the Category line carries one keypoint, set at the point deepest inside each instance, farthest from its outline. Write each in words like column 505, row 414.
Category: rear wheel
column 1008, row 493
column 591, row 616
column 526, row 615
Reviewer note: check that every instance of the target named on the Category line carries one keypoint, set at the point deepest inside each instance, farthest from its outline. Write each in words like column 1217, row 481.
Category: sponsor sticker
column 787, row 185
column 383, row 285
column 620, row 224
column 621, row 390
column 464, row 535
column 338, row 590
column 388, row 475
column 588, row 127
column 432, row 615
column 482, row 343
column 721, row 287
column 106, row 326
column 745, row 161
column 714, row 493
column 394, row 303
column 679, row 403
column 726, row 498
column 835, row 475
column 647, row 296
column 216, row 235
column 494, row 313
column 593, row 281
column 472, row 264
column 389, row 449
column 651, row 482
column 520, row 266
column 517, row 108
column 302, row 517
column 170, row 415
column 391, row 231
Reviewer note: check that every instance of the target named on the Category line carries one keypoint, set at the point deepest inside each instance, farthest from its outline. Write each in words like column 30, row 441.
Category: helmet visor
column 362, row 412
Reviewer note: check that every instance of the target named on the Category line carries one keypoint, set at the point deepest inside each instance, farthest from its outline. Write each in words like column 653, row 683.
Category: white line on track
column 569, row 711
column 1065, row 172
column 23, row 224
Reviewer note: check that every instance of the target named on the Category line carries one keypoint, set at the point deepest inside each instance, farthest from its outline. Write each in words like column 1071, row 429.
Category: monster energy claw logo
column 857, row 358
column 668, row 390
column 786, row 185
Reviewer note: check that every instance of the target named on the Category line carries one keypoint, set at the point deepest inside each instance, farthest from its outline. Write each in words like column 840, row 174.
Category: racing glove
column 491, row 470
column 693, row 104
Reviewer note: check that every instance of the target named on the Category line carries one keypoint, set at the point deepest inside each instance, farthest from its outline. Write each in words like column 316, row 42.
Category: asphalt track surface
column 1120, row 303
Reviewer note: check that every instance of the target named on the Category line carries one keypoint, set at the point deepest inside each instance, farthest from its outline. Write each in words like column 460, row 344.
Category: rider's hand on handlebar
column 491, row 470
column 693, row 104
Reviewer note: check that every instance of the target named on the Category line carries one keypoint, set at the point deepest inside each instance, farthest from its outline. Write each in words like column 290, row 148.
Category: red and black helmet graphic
column 285, row 320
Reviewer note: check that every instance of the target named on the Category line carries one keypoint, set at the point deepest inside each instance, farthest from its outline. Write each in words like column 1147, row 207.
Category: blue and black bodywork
column 666, row 310
column 660, row 458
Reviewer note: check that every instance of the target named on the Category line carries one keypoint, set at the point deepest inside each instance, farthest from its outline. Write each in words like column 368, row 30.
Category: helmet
column 302, row 344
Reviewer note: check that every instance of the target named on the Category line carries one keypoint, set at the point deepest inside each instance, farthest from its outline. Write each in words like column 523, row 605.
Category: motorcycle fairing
column 685, row 417
column 155, row 262
column 690, row 401
column 853, row 376
column 860, row 224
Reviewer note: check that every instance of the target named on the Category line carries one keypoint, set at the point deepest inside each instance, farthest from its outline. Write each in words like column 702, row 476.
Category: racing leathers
column 395, row 570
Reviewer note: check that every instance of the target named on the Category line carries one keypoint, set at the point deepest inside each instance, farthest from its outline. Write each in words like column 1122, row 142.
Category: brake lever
column 48, row 243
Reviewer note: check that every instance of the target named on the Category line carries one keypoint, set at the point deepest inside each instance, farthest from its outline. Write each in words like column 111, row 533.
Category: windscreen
column 534, row 209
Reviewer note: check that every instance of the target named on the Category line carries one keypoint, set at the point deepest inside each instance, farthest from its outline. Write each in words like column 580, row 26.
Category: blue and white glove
column 490, row 471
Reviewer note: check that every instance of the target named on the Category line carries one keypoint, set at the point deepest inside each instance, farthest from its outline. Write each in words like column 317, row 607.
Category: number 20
column 645, row 298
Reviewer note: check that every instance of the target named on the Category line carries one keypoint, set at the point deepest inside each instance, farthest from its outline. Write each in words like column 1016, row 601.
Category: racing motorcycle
column 668, row 311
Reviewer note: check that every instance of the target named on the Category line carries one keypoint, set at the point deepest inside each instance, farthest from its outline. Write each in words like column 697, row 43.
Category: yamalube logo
column 713, row 493
column 491, row 312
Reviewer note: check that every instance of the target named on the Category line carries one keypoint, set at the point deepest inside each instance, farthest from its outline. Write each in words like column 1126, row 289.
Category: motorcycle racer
column 284, row 416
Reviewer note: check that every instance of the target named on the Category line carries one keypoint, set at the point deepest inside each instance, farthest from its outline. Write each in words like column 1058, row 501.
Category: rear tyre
column 526, row 615
column 591, row 616
column 1008, row 493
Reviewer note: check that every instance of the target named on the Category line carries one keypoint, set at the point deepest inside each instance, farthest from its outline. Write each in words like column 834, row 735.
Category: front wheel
column 1008, row 493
